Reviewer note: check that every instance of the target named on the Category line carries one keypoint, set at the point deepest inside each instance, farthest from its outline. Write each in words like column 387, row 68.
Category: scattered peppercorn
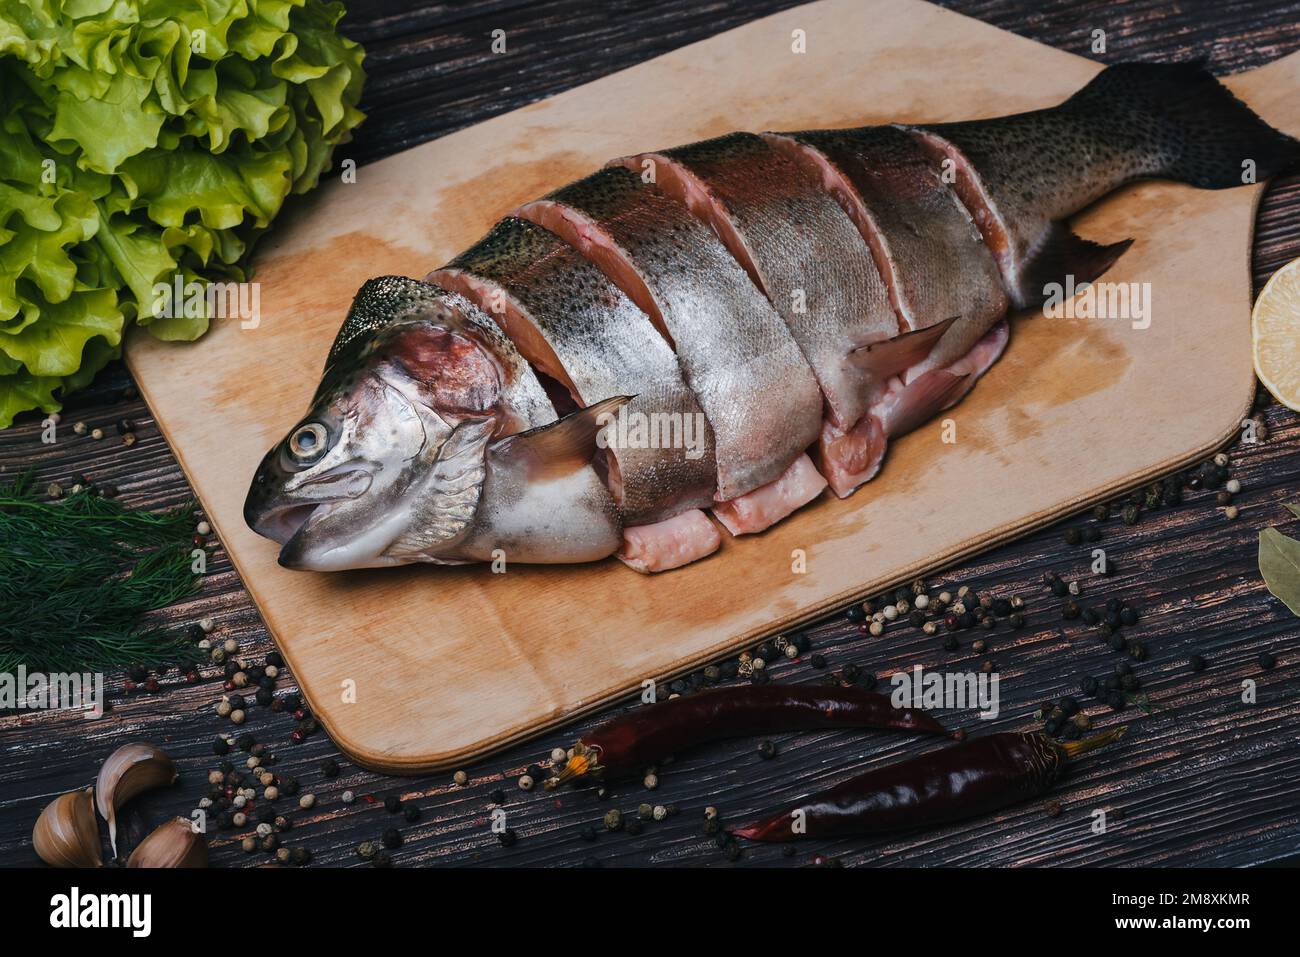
column 1196, row 663
column 1267, row 661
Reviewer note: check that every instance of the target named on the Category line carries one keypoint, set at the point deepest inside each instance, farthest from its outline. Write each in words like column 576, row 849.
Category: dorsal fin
column 557, row 449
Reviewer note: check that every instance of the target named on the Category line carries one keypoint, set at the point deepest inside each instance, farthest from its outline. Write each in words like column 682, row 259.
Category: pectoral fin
column 555, row 450
column 891, row 356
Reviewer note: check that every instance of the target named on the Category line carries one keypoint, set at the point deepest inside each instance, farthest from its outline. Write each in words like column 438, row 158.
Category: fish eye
column 308, row 442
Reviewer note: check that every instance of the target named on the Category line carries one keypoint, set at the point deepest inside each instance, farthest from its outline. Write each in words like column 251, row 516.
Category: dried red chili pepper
column 647, row 735
column 965, row 780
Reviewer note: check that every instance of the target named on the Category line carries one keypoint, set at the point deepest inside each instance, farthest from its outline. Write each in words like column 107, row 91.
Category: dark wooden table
column 1203, row 779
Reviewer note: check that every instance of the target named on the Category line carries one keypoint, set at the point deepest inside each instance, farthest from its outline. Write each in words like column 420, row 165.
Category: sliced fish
column 754, row 385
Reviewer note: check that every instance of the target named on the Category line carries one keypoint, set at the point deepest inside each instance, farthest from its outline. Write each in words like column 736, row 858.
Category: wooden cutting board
column 449, row 664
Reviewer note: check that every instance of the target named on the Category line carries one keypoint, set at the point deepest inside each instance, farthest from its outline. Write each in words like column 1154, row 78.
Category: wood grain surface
column 1207, row 780
column 484, row 681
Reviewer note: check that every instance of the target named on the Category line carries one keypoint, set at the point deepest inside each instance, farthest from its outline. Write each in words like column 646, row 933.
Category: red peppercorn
column 199, row 541
column 128, row 685
column 300, row 714
column 297, row 736
column 151, row 685
column 191, row 677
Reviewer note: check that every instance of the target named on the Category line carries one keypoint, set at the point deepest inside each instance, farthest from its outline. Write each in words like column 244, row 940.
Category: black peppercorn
column 767, row 750
column 1196, row 663
column 392, row 804
column 497, row 796
column 384, row 859
column 1267, row 661
column 411, row 812
column 951, row 643
column 219, row 746
column 392, row 838
column 1089, row 686
column 1118, row 642
column 330, row 768
column 1073, row 536
column 1115, row 700
column 855, row 614
column 817, row 661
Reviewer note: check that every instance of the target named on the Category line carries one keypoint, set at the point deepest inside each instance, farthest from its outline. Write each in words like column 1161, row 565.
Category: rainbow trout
column 715, row 332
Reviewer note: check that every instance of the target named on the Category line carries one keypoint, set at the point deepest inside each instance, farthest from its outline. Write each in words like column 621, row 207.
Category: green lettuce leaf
column 142, row 140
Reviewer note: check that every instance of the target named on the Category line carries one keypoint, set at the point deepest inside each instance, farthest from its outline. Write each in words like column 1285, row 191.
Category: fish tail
column 1204, row 134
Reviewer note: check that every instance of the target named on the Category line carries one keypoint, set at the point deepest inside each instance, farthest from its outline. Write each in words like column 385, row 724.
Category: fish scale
column 605, row 346
column 753, row 383
column 927, row 245
column 799, row 246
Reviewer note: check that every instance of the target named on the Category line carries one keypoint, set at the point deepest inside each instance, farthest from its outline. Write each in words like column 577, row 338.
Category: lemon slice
column 1275, row 332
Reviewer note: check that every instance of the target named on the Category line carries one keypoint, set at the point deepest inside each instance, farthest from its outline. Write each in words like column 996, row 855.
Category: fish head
column 388, row 464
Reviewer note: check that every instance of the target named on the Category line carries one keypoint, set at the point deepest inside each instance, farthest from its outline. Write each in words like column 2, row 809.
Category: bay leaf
column 1293, row 508
column 1279, row 563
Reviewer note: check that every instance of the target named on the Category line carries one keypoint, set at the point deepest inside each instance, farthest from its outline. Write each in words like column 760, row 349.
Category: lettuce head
column 141, row 141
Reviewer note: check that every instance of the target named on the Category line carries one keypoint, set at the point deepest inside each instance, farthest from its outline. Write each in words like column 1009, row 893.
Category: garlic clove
column 67, row 834
column 129, row 770
column 172, row 844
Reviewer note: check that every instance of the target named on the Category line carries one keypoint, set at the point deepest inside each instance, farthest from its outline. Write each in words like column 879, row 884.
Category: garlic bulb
column 67, row 834
column 129, row 770
column 173, row 844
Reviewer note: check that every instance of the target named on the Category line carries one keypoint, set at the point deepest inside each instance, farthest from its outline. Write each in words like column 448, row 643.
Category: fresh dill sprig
column 77, row 574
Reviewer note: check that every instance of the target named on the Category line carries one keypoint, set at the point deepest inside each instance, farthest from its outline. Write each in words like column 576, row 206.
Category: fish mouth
column 284, row 523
